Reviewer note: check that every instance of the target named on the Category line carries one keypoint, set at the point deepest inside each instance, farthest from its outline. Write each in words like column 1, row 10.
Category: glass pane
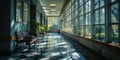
column 75, row 30
column 81, row 10
column 72, row 1
column 25, row 14
column 75, row 24
column 81, row 2
column 115, row 34
column 88, row 19
column 102, row 16
column 115, row 13
column 96, row 31
column 18, row 11
column 96, row 4
column 113, row 0
column 96, row 17
column 102, row 33
column 88, row 6
column 78, row 29
column 81, row 30
column 76, row 4
column 86, row 0
column 88, row 30
column 76, row 12
column 102, row 2
column 81, row 20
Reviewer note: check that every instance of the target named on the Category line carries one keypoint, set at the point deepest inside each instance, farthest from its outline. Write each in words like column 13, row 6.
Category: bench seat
column 25, row 37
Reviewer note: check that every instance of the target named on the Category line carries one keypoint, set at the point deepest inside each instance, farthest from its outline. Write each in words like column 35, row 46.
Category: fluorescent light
column 44, row 7
column 46, row 11
column 52, row 10
column 52, row 4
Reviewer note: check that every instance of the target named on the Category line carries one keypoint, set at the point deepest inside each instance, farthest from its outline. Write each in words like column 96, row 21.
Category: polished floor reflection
column 55, row 47
column 52, row 47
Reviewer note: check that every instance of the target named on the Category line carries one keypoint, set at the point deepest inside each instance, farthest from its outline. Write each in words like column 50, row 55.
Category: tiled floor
column 52, row 47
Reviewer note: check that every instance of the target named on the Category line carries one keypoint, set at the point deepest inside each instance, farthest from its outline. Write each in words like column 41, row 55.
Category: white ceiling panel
column 58, row 6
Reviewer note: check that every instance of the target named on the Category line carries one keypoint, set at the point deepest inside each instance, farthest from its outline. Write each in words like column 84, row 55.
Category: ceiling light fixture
column 46, row 11
column 52, row 10
column 44, row 7
column 52, row 4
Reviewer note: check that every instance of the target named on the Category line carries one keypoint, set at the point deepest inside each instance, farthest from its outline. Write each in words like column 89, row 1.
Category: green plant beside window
column 34, row 26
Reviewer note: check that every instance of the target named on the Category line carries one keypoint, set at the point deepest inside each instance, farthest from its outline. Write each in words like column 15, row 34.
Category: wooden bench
column 25, row 37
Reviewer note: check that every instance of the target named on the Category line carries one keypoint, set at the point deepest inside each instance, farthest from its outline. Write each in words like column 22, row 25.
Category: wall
column 5, row 27
column 107, row 50
column 18, row 26
column 9, row 26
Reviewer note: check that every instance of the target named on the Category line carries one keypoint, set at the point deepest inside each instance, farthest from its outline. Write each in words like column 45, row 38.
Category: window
column 102, row 16
column 96, row 17
column 96, row 4
column 102, row 3
column 81, row 25
column 25, row 14
column 99, row 24
column 81, row 2
column 88, row 25
column 88, row 6
column 81, row 10
column 88, row 31
column 115, row 24
column 18, row 11
column 96, row 31
column 102, row 33
column 114, row 13
column 113, row 0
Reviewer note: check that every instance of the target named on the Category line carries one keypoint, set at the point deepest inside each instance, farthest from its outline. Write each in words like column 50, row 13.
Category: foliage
column 34, row 26
column 42, row 28
column 115, row 36
column 100, row 34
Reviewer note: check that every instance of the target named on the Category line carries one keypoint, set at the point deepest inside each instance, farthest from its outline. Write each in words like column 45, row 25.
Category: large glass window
column 115, row 24
column 102, row 2
column 102, row 33
column 81, row 10
column 102, row 16
column 114, row 34
column 88, row 30
column 96, row 17
column 75, row 26
column 81, row 25
column 99, row 24
column 88, row 25
column 81, row 2
column 96, row 31
column 96, row 4
column 113, row 0
column 88, row 6
column 114, row 13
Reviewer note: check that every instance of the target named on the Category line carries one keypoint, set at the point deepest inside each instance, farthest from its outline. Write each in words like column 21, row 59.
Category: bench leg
column 29, row 46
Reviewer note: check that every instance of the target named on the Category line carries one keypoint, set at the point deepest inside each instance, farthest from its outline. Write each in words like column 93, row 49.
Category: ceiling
column 53, row 10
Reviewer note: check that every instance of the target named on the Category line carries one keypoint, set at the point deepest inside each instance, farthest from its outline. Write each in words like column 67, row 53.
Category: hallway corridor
column 53, row 47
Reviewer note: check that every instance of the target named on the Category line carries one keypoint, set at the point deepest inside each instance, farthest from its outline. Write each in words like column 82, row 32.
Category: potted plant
column 34, row 27
column 43, row 29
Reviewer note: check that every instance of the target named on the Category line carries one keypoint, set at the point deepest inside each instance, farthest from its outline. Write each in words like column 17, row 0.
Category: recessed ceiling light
column 52, row 4
column 46, row 11
column 44, row 7
column 52, row 10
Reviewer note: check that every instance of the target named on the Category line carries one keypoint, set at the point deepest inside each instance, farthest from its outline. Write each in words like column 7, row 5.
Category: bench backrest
column 20, row 35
